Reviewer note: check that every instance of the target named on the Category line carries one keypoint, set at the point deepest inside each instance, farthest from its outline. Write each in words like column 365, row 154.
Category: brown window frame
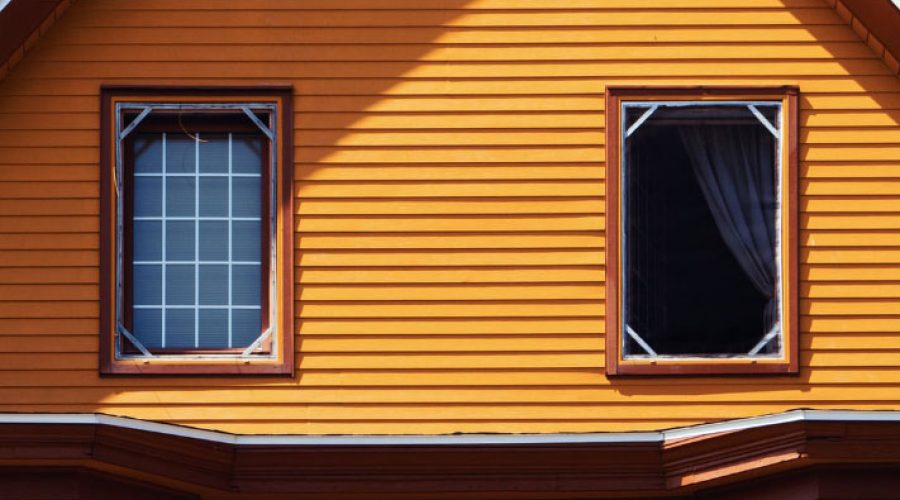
column 274, row 354
column 788, row 363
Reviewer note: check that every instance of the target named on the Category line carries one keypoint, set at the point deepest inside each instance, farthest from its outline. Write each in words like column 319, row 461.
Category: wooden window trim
column 789, row 364
column 282, row 361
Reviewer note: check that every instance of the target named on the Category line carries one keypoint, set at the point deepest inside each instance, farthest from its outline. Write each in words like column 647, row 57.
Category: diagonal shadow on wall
column 403, row 113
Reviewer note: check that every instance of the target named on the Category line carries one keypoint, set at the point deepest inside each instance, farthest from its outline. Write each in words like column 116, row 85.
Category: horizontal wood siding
column 449, row 207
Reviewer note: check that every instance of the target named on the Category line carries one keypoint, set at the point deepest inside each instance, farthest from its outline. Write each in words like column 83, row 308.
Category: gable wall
column 449, row 198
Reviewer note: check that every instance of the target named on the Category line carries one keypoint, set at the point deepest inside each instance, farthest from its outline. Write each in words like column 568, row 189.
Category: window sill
column 669, row 367
column 164, row 366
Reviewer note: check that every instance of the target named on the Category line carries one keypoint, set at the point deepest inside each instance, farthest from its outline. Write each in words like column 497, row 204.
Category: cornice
column 22, row 24
column 646, row 464
column 877, row 23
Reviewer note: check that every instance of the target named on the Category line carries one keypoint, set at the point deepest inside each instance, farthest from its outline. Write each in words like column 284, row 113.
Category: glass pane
column 681, row 116
column 246, row 197
column 246, row 154
column 245, row 283
column 146, row 326
column 213, row 328
column 180, row 328
column 245, row 327
column 147, row 284
column 180, row 284
column 246, row 241
column 214, row 153
column 633, row 114
column 214, row 240
column 699, row 194
column 180, row 193
column 180, row 154
column 147, row 196
column 147, row 240
column 771, row 113
column 213, row 284
column 147, row 153
column 214, row 196
column 179, row 240
column 179, row 321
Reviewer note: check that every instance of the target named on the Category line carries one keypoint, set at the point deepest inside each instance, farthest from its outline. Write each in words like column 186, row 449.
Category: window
column 701, row 225
column 196, row 246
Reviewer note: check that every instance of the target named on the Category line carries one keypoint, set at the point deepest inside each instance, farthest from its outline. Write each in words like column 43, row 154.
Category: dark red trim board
column 20, row 19
column 748, row 456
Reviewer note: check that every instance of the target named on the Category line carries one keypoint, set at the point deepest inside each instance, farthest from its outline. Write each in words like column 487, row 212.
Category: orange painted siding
column 449, row 207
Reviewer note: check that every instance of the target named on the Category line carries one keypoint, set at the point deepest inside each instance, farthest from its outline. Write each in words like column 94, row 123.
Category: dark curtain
column 734, row 165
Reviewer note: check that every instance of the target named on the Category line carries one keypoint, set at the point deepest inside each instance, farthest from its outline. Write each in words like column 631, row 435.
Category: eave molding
column 676, row 461
column 668, row 437
column 22, row 24
column 875, row 22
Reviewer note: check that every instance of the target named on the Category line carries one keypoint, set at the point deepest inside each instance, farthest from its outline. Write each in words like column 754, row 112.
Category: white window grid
column 250, row 110
column 165, row 262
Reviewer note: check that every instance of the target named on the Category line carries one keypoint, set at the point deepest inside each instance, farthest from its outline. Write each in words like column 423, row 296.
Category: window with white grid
column 196, row 244
column 197, row 239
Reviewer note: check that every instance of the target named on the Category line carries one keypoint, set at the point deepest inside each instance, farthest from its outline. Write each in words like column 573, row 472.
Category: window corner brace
column 134, row 123
column 124, row 332
column 255, row 119
column 256, row 343
column 762, row 119
column 641, row 342
column 765, row 340
column 640, row 121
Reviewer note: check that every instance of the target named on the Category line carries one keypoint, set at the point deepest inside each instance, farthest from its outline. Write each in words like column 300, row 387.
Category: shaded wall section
column 449, row 198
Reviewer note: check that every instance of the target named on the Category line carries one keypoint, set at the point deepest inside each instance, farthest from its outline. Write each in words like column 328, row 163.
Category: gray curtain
column 734, row 165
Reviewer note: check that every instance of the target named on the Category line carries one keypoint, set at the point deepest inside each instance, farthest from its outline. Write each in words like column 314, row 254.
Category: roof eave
column 877, row 22
column 22, row 22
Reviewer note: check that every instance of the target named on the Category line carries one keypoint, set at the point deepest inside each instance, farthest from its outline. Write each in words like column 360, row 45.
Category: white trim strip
column 197, row 142
column 735, row 425
column 193, row 306
column 203, row 262
column 286, row 440
column 256, row 343
column 262, row 126
column 766, row 339
column 165, row 201
column 202, row 219
column 134, row 123
column 222, row 175
column 203, row 106
column 640, row 121
column 452, row 440
column 684, row 104
column 640, row 341
column 765, row 121
column 230, row 230
column 124, row 331
column 783, row 418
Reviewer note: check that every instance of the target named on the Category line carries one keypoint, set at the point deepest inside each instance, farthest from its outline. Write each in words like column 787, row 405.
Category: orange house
column 449, row 249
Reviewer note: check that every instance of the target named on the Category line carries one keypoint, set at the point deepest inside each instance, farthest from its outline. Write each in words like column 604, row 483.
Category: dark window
column 700, row 227
column 701, row 213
